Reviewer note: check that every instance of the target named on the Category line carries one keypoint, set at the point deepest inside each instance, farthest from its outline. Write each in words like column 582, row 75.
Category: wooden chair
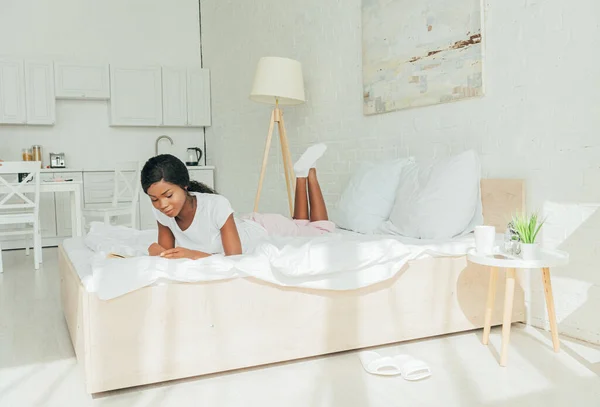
column 126, row 196
column 21, row 208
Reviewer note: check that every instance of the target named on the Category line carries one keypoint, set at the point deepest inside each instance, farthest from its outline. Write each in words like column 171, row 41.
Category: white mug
column 485, row 237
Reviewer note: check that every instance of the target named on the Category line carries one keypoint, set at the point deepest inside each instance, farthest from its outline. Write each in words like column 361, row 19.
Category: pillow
column 368, row 199
column 439, row 202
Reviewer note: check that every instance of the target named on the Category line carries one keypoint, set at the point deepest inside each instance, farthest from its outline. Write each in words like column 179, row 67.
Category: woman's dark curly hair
column 171, row 169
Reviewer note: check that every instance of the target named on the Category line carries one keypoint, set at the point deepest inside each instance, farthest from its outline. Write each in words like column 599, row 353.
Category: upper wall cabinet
column 186, row 97
column 138, row 96
column 82, row 81
column 12, row 92
column 174, row 93
column 135, row 96
column 198, row 97
column 39, row 89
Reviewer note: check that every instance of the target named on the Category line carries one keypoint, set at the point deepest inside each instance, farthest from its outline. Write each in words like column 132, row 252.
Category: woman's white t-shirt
column 204, row 233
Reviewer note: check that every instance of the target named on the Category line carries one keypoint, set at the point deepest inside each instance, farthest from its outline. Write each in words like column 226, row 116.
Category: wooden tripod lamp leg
column 264, row 163
column 289, row 155
column 287, row 165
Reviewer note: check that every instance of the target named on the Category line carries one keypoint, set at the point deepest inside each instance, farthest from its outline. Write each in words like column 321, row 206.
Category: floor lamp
column 278, row 82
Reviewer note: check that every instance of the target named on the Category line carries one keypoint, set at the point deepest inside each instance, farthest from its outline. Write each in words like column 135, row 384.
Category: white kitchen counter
column 57, row 170
column 61, row 170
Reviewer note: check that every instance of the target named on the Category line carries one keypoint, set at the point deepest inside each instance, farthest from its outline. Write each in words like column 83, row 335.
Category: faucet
column 158, row 140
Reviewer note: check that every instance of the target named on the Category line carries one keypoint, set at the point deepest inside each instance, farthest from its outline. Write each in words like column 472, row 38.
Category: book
column 117, row 256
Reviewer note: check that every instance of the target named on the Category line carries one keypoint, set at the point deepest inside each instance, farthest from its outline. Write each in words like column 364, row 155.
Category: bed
column 178, row 330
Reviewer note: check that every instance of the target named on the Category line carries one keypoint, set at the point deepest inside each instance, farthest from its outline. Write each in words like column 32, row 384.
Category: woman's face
column 167, row 198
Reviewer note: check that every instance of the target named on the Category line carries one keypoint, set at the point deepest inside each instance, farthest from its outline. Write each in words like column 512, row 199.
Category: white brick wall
column 539, row 119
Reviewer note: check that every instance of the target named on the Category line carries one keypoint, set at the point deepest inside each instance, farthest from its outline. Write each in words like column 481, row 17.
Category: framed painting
column 420, row 53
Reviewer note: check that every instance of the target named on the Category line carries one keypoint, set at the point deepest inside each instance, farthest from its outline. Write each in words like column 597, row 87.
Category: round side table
column 549, row 258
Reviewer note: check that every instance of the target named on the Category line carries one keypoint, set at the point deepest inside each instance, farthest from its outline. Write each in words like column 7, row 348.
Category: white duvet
column 336, row 261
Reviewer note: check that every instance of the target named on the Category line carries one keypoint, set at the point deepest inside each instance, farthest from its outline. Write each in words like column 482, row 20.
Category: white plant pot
column 531, row 251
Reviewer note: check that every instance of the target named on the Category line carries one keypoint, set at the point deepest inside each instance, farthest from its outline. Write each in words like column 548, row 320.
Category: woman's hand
column 155, row 249
column 183, row 253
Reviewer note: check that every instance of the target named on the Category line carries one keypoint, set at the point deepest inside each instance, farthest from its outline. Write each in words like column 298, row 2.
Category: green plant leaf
column 527, row 227
column 538, row 229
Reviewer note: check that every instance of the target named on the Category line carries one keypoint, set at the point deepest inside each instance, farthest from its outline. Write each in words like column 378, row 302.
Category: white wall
column 539, row 118
column 135, row 32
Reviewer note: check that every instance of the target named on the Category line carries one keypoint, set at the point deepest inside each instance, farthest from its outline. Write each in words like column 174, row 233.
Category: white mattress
column 81, row 257
column 338, row 261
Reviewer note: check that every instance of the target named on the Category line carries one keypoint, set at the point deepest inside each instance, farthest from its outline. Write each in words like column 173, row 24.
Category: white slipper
column 405, row 365
column 374, row 363
column 411, row 368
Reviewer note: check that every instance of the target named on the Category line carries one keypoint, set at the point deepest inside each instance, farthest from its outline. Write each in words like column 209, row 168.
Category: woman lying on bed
column 195, row 222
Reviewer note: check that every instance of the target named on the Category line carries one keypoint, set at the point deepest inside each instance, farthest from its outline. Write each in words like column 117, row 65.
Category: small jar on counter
column 37, row 153
column 27, row 155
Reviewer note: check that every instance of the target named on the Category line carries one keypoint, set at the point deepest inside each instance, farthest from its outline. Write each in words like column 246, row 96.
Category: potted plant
column 528, row 227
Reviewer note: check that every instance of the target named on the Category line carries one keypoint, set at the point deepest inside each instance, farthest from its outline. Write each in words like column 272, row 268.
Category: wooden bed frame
column 174, row 331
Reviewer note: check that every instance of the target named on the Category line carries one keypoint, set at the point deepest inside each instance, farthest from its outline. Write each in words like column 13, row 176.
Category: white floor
column 38, row 368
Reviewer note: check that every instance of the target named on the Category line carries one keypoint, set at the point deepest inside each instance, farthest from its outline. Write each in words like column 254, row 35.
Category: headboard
column 501, row 199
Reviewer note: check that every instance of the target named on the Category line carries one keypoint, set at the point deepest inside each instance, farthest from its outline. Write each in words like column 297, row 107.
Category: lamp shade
column 278, row 79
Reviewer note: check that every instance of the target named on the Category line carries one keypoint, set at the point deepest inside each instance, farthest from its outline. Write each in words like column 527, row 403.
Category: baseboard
column 20, row 243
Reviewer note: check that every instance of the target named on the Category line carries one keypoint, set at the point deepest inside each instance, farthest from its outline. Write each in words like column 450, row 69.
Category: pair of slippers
column 406, row 366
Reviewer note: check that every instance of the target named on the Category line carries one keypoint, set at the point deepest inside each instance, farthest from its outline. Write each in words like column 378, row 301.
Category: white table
column 73, row 187
column 549, row 258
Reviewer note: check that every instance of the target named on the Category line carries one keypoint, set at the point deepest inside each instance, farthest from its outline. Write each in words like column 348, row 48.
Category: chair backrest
column 127, row 183
column 11, row 189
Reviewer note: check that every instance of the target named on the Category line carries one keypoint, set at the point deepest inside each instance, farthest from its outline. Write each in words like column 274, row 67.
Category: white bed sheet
column 456, row 246
column 338, row 261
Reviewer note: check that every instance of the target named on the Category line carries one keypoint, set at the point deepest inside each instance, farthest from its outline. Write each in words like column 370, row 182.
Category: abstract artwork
column 420, row 53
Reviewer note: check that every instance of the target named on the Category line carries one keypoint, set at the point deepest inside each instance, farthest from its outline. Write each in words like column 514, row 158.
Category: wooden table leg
column 489, row 307
column 507, row 317
column 550, row 306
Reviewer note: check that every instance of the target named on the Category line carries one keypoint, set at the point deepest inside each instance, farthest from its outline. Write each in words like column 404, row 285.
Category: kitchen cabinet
column 198, row 97
column 82, row 81
column 12, row 92
column 204, row 175
column 39, row 91
column 47, row 211
column 62, row 204
column 186, row 97
column 138, row 96
column 135, row 96
column 174, row 94
column 27, row 92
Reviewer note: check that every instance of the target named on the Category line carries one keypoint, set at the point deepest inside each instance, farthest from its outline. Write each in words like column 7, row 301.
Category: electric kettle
column 194, row 154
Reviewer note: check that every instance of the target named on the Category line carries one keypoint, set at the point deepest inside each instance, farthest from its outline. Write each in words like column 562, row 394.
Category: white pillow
column 439, row 202
column 368, row 199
